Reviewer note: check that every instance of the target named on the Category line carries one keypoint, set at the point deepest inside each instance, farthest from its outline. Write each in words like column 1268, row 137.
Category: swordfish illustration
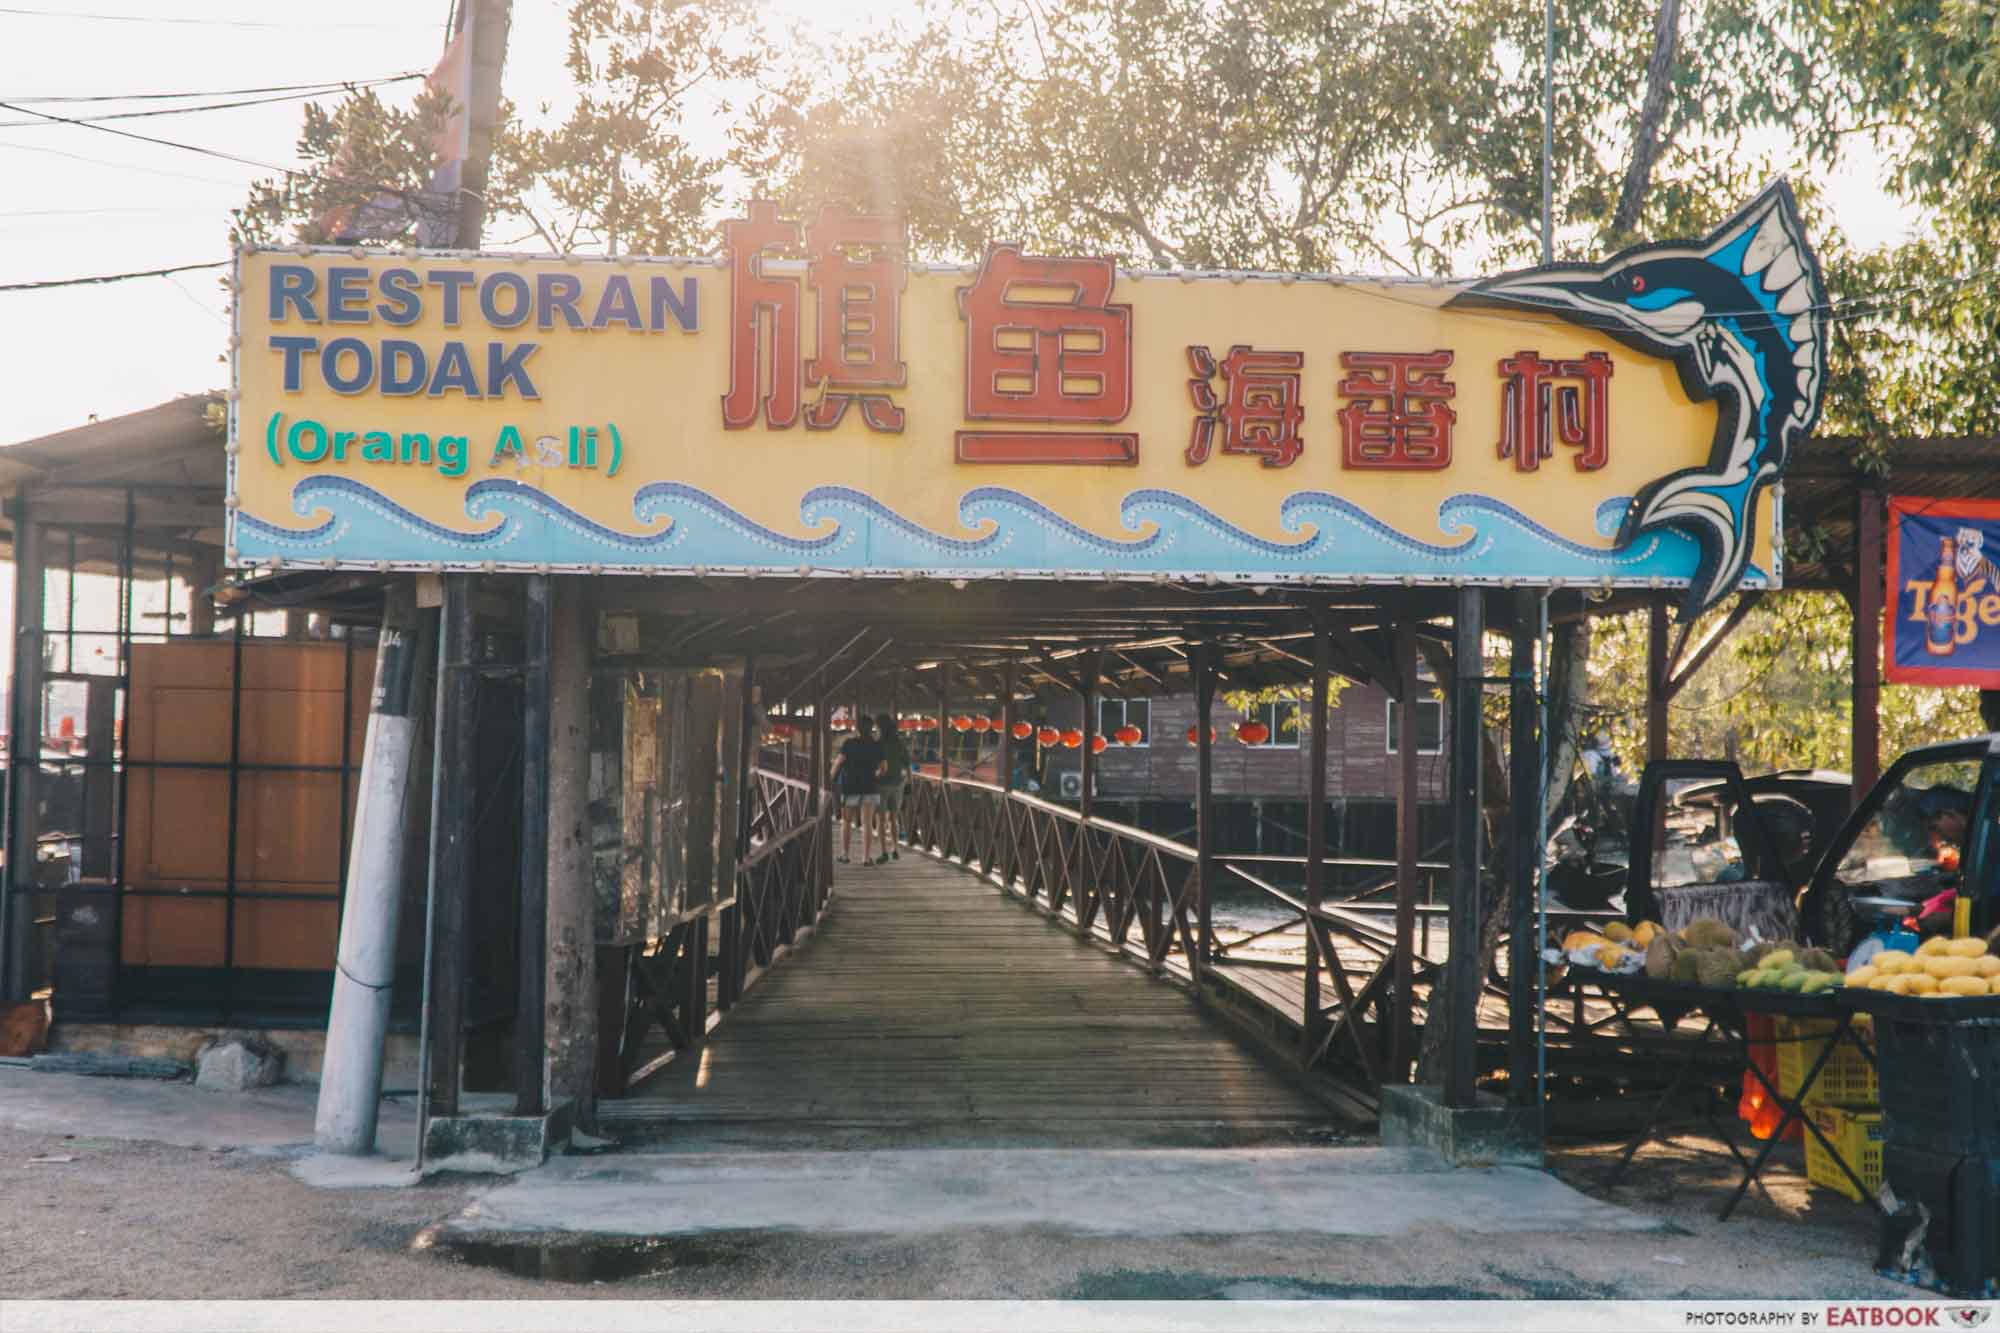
column 1742, row 315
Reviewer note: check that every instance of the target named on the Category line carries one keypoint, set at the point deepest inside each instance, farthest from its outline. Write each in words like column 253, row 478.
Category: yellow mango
column 1895, row 983
column 1973, row 948
column 1944, row 965
column 1582, row 939
column 1891, row 961
column 1645, row 934
column 1617, row 931
column 1987, row 965
column 1962, row 986
column 1609, row 956
column 1919, row 983
column 1861, row 976
column 1934, row 945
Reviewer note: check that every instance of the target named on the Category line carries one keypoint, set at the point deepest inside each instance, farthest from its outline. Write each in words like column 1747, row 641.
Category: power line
column 109, row 277
column 190, row 21
column 211, row 152
column 121, row 166
column 204, row 92
column 214, row 106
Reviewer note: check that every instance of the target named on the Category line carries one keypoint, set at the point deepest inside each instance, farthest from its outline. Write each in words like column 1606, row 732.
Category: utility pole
column 351, row 1081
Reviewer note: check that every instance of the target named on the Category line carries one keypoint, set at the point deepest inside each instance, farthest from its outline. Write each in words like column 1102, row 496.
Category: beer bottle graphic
column 1941, row 612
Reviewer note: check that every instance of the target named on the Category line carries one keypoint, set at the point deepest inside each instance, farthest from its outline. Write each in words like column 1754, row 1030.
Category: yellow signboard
column 855, row 414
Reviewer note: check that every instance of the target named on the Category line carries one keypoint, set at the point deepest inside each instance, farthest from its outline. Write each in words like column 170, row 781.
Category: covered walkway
column 930, row 1009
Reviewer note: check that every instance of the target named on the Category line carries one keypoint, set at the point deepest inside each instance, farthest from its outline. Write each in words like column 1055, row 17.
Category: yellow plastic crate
column 1849, row 1078
column 1858, row 1136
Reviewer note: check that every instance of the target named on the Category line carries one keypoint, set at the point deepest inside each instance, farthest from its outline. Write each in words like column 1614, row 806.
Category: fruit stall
column 1886, row 1064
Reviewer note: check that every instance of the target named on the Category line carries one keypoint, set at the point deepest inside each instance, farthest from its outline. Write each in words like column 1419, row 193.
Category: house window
column 1282, row 717
column 1115, row 713
column 1430, row 725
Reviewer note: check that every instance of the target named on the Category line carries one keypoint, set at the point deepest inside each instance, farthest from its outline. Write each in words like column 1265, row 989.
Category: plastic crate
column 1857, row 1136
column 1849, row 1077
column 1940, row 1082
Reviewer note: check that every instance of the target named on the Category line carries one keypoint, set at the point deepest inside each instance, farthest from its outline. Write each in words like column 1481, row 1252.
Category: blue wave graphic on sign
column 1172, row 535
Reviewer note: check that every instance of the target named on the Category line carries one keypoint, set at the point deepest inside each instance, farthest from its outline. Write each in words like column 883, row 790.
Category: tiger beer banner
column 1943, row 607
column 813, row 403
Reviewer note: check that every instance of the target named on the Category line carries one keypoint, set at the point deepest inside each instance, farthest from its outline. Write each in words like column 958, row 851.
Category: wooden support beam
column 1678, row 678
column 1866, row 600
column 17, row 908
column 1408, row 846
column 528, row 998
column 1093, row 664
column 570, row 995
column 457, row 699
column 1657, row 693
column 1202, row 661
column 1468, row 855
column 1312, row 1020
column 1525, row 839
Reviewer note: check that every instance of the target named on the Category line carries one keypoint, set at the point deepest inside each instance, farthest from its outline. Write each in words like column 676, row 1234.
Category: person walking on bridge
column 895, row 780
column 855, row 775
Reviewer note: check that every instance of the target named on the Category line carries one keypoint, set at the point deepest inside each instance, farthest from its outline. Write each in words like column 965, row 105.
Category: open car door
column 1713, row 859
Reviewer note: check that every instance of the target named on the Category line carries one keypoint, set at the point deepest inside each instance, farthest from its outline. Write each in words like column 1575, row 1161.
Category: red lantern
column 996, row 725
column 1098, row 745
column 1128, row 735
column 908, row 724
column 1050, row 736
column 1023, row 730
column 1072, row 739
column 1253, row 733
column 961, row 723
column 929, row 724
column 1193, row 739
column 982, row 724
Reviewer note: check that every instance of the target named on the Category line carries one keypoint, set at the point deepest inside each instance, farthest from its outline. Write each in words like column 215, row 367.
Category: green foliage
column 363, row 154
column 1775, row 695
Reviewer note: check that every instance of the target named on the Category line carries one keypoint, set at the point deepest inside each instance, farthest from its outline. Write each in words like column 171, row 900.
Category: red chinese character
column 1397, row 418
column 1260, row 410
column 758, row 302
column 1582, row 415
column 1043, row 344
column 857, row 272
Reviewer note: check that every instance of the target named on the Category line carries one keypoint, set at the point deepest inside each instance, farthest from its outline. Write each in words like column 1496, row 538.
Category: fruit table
column 1727, row 1010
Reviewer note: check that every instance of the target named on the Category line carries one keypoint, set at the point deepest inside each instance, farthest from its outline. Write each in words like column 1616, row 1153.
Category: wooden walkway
column 931, row 1009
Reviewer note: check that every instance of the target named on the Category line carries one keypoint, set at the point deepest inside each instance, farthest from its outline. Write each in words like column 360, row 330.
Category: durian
column 1716, row 967
column 1660, row 955
column 1686, row 966
column 1818, row 960
column 1707, row 931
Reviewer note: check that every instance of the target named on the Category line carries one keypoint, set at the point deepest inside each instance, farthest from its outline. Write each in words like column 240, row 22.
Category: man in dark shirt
column 855, row 774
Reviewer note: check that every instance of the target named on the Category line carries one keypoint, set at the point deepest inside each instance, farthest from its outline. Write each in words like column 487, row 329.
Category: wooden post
column 17, row 909
column 1093, row 664
column 944, row 722
column 528, row 1010
column 203, row 574
column 1525, row 786
column 570, row 998
column 452, row 870
column 1006, row 756
column 1656, row 681
column 1204, row 792
column 1408, row 848
column 1867, row 641
column 1316, row 827
column 1467, row 853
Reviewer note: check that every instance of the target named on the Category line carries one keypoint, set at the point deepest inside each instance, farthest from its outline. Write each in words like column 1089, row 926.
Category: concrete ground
column 162, row 1190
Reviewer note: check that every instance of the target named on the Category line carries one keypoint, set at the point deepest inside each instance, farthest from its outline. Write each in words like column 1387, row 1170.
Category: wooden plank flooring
column 931, row 1009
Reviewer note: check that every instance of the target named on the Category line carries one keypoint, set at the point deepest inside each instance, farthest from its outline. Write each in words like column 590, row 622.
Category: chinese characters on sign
column 1047, row 355
column 1580, row 419
column 1397, row 417
column 1044, row 346
column 1259, row 411
column 856, row 268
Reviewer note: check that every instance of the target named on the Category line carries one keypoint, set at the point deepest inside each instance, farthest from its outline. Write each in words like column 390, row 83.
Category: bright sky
column 81, row 202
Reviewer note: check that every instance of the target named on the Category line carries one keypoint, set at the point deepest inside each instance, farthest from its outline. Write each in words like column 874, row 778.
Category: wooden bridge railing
column 780, row 885
column 1143, row 893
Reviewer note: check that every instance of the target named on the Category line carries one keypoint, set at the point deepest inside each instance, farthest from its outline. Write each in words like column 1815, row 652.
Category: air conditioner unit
column 1070, row 783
